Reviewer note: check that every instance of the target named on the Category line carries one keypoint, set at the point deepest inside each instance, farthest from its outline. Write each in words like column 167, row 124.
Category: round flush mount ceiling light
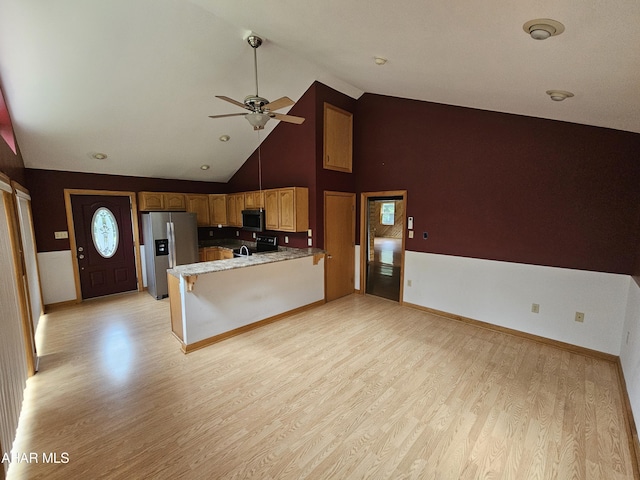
column 99, row 156
column 559, row 95
column 205, row 167
column 224, row 138
column 379, row 60
column 543, row 28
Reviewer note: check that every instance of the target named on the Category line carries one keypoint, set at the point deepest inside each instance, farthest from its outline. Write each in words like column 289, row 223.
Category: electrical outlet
column 535, row 308
column 237, row 233
column 254, row 234
column 211, row 233
column 410, row 233
column 579, row 317
column 408, row 283
column 286, row 239
column 60, row 235
column 310, row 242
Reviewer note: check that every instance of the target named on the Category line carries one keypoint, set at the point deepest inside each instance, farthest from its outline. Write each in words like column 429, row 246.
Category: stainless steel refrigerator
column 170, row 239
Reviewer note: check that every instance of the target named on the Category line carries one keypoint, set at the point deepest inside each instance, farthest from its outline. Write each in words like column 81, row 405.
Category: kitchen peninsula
column 211, row 301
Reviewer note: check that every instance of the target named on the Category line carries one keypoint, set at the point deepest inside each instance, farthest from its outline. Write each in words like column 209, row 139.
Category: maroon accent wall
column 330, row 180
column 505, row 187
column 11, row 164
column 46, row 188
column 292, row 156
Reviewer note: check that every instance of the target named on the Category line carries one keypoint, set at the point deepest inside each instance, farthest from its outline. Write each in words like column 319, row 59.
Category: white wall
column 630, row 348
column 501, row 293
column 56, row 272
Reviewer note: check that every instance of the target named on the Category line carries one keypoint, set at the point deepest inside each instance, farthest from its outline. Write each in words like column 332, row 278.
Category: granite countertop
column 283, row 253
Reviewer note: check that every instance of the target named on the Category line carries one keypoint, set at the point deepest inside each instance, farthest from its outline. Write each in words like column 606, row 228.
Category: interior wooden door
column 339, row 243
column 104, row 244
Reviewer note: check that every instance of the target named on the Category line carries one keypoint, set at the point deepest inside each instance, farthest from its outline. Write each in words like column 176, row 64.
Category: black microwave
column 253, row 220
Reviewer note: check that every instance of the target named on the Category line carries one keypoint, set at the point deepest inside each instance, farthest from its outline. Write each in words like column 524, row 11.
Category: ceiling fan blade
column 279, row 103
column 231, row 100
column 287, row 118
column 228, row 115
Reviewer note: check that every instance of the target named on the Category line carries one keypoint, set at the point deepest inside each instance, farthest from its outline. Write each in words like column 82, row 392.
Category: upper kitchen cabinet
column 218, row 209
column 338, row 139
column 287, row 209
column 199, row 204
column 159, row 201
column 235, row 205
column 254, row 200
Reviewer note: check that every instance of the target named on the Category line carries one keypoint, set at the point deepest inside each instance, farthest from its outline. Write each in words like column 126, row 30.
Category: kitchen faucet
column 244, row 250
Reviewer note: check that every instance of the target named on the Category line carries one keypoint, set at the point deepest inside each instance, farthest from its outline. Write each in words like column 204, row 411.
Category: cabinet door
column 150, row 201
column 211, row 254
column 218, row 209
column 271, row 209
column 239, row 207
column 286, row 209
column 199, row 204
column 338, row 139
column 250, row 200
column 175, row 201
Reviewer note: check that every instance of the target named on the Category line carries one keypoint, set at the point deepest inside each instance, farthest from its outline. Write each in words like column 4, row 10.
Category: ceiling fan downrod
column 255, row 41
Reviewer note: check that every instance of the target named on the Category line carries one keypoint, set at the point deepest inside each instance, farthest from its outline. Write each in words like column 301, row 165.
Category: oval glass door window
column 104, row 230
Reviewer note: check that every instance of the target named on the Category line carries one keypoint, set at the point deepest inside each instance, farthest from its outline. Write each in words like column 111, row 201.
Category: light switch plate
column 410, row 233
column 410, row 223
column 60, row 235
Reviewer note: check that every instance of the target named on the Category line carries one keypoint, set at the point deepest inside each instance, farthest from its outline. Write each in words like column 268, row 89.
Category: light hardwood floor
column 357, row 388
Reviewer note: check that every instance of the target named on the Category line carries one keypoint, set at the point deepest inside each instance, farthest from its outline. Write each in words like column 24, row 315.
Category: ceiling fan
column 260, row 109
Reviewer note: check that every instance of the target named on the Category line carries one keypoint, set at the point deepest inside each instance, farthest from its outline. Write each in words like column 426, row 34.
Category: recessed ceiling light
column 543, row 28
column 379, row 60
column 225, row 138
column 99, row 156
column 205, row 167
column 559, row 95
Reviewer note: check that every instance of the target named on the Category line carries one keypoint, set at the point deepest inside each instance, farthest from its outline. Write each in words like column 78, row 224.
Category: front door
column 104, row 244
column 339, row 243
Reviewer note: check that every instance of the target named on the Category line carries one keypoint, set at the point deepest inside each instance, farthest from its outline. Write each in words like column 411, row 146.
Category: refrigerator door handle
column 172, row 244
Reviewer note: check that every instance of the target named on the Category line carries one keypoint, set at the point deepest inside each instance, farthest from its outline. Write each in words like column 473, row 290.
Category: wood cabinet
column 218, row 209
column 235, row 205
column 253, row 200
column 338, row 139
column 210, row 254
column 199, row 204
column 287, row 209
column 161, row 201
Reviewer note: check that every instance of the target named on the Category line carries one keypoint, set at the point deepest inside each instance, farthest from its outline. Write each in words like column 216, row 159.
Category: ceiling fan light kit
column 261, row 109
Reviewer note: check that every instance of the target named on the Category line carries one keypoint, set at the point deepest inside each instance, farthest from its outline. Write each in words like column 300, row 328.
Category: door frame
column 68, row 192
column 353, row 233
column 364, row 222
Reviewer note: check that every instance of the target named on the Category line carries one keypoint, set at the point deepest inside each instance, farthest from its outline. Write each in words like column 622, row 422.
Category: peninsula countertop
column 283, row 253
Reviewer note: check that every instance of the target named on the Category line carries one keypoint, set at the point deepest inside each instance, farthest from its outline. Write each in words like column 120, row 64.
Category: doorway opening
column 382, row 243
column 103, row 233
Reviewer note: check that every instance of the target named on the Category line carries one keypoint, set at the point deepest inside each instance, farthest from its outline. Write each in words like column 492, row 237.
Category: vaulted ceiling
column 137, row 79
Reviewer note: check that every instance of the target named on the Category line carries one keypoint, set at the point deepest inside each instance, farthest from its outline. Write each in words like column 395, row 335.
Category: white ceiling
column 137, row 79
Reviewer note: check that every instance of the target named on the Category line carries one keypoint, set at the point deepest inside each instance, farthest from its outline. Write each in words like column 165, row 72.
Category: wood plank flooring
column 357, row 388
